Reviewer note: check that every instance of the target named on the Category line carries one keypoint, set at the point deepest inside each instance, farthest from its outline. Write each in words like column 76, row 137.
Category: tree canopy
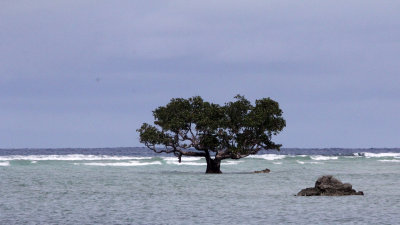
column 194, row 127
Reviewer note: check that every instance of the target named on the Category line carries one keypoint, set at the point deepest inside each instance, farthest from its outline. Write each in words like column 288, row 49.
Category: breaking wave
column 267, row 157
column 186, row 161
column 4, row 163
column 131, row 163
column 72, row 157
column 279, row 157
column 302, row 162
column 137, row 160
column 322, row 157
column 378, row 155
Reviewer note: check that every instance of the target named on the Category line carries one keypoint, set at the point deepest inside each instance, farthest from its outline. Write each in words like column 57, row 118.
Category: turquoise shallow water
column 102, row 189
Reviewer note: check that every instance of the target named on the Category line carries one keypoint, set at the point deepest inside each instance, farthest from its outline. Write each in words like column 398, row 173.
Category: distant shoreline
column 282, row 149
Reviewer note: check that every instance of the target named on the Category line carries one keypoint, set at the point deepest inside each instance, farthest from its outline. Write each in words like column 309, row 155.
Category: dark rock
column 308, row 192
column 329, row 186
column 263, row 171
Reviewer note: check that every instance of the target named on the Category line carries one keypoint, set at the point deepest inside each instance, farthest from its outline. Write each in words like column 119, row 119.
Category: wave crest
column 322, row 157
column 131, row 163
column 267, row 157
column 71, row 157
column 4, row 163
column 378, row 155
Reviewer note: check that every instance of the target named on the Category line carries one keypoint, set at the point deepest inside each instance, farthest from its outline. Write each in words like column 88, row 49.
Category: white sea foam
column 350, row 157
column 4, row 163
column 378, row 155
column 183, row 159
column 231, row 162
column 390, row 160
column 186, row 163
column 321, row 157
column 71, row 157
column 277, row 163
column 191, row 161
column 301, row 162
column 298, row 156
column 131, row 163
column 268, row 156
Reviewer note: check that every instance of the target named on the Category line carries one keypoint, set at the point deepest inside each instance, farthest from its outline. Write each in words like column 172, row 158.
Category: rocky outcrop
column 329, row 186
column 263, row 171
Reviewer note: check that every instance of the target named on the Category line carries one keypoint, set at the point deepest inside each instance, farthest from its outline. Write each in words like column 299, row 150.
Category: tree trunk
column 213, row 165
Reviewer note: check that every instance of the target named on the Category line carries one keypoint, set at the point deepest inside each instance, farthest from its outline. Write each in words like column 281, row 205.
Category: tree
column 194, row 127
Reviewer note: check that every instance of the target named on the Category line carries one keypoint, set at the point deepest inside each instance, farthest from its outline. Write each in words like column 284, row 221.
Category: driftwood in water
column 263, row 171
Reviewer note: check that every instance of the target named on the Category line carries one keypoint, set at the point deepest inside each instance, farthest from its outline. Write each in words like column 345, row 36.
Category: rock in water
column 329, row 186
column 263, row 171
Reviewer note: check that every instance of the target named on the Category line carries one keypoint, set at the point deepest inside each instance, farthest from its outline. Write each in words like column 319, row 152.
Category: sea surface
column 137, row 186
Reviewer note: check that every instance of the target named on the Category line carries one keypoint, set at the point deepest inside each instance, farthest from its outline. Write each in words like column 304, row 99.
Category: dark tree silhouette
column 194, row 127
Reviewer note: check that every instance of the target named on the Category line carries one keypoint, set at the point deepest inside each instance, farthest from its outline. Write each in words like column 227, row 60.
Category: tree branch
column 175, row 150
column 227, row 154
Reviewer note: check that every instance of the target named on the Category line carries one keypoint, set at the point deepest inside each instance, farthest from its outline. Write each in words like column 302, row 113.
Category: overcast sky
column 88, row 73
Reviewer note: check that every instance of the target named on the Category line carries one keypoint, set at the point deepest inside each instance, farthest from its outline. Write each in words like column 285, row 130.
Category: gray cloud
column 68, row 66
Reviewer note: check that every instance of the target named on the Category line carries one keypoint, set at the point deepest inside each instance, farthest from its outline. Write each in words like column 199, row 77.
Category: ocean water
column 136, row 186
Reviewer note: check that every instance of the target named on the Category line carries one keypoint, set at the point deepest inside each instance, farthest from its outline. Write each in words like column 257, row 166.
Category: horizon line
column 310, row 148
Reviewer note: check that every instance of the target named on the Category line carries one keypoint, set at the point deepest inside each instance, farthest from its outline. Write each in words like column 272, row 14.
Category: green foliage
column 233, row 130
